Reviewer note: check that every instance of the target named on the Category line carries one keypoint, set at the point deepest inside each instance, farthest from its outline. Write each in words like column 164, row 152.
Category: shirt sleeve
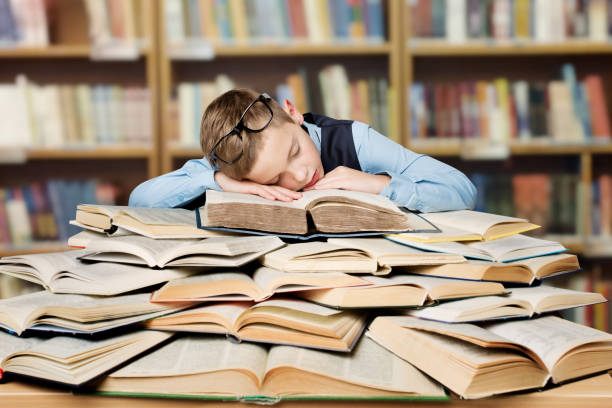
column 418, row 182
column 176, row 188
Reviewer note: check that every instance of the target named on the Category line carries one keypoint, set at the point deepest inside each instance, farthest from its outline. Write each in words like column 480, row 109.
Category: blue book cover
column 438, row 13
column 568, row 73
column 340, row 15
column 8, row 28
column 374, row 20
column 416, row 99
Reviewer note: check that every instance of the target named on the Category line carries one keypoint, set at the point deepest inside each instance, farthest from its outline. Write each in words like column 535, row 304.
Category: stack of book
column 562, row 111
column 242, row 22
column 541, row 21
column 247, row 298
column 363, row 99
column 74, row 116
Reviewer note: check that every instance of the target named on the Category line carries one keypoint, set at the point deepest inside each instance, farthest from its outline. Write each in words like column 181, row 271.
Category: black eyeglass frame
column 240, row 126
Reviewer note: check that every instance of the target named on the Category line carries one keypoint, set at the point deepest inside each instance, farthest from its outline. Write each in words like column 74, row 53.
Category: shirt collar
column 314, row 132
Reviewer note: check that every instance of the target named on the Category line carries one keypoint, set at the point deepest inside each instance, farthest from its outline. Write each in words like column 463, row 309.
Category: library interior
column 99, row 96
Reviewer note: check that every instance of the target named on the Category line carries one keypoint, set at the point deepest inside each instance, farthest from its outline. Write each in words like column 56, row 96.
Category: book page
column 536, row 263
column 109, row 210
column 76, row 307
column 204, row 286
column 447, row 234
column 446, row 248
column 369, row 365
column 268, row 279
column 229, row 311
column 468, row 220
column 10, row 344
column 220, row 197
column 498, row 248
column 100, row 279
column 537, row 294
column 476, row 308
column 161, row 216
column 66, row 347
column 47, row 264
column 366, row 199
column 379, row 247
column 549, row 337
column 300, row 306
column 193, row 354
column 464, row 331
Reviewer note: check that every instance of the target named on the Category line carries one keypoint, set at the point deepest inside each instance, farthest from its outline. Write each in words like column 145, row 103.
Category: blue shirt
column 418, row 182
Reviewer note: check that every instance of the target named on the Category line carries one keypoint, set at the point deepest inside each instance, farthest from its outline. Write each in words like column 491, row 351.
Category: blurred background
column 97, row 96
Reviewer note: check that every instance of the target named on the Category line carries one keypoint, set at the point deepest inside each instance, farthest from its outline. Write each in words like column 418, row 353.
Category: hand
column 348, row 179
column 270, row 192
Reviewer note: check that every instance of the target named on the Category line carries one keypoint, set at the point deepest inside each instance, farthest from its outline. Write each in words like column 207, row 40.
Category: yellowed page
column 564, row 297
column 369, row 365
column 194, row 354
column 46, row 264
column 475, row 309
column 468, row 220
column 549, row 337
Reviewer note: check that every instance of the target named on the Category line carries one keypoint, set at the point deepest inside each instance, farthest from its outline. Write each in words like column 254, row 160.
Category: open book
column 525, row 271
column 278, row 321
column 236, row 286
column 77, row 313
column 521, row 302
column 478, row 361
column 150, row 222
column 323, row 211
column 354, row 255
column 400, row 291
column 221, row 251
column 69, row 359
column 488, row 226
column 62, row 272
column 509, row 249
column 202, row 365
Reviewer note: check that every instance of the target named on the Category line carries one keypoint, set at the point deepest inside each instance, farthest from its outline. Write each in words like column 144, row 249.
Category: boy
column 253, row 145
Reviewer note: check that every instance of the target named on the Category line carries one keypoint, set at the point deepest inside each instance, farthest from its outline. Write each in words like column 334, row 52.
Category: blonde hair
column 223, row 114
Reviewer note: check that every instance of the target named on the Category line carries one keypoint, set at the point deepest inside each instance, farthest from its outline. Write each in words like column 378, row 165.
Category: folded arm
column 418, row 182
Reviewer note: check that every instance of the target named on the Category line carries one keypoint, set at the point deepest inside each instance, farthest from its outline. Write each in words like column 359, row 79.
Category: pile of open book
column 362, row 301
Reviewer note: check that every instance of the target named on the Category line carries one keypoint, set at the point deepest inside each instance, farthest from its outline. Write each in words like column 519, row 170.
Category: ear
column 293, row 111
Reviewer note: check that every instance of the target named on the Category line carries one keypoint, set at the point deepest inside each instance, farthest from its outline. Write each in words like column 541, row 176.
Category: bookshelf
column 72, row 58
column 249, row 65
column 432, row 60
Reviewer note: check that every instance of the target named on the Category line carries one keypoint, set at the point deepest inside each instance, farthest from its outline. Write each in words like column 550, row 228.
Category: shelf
column 455, row 147
column 93, row 153
column 598, row 248
column 442, row 48
column 54, row 51
column 273, row 50
column 39, row 247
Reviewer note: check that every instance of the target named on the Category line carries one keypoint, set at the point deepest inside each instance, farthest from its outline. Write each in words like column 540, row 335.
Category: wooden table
column 593, row 392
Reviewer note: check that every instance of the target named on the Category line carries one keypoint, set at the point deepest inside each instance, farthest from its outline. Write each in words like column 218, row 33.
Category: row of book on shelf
column 364, row 99
column 542, row 21
column 566, row 111
column 241, row 22
column 366, row 317
column 81, row 115
column 40, row 212
column 552, row 201
column 28, row 23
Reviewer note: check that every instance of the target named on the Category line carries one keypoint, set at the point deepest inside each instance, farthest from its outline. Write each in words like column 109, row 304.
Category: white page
column 537, row 294
column 369, row 364
column 47, row 264
column 449, row 311
column 113, row 278
column 468, row 220
column 500, row 247
column 10, row 344
column 448, row 248
column 162, row 216
column 195, row 354
column 549, row 337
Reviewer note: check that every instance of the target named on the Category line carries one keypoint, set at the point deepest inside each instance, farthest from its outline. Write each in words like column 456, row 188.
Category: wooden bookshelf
column 283, row 57
column 421, row 47
column 35, row 248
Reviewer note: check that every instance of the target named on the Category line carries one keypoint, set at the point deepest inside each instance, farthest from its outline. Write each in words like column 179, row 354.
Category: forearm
column 176, row 188
column 447, row 191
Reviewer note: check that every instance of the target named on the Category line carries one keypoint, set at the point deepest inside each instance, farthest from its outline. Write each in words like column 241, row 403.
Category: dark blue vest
column 337, row 148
